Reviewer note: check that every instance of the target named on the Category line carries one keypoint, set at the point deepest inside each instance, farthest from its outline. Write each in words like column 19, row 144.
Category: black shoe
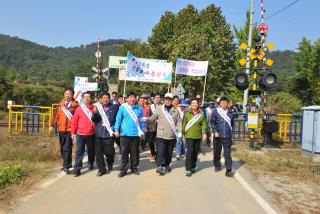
column 136, row 172
column 168, row 169
column 100, row 173
column 193, row 170
column 160, row 170
column 91, row 167
column 62, row 169
column 229, row 173
column 66, row 171
column 217, row 169
column 188, row 173
column 121, row 174
column 110, row 167
column 77, row 173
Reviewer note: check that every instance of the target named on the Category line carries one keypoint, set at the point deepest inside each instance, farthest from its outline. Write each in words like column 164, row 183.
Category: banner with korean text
column 147, row 70
column 191, row 68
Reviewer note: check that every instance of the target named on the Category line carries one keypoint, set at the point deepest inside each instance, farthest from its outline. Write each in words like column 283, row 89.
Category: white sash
column 169, row 119
column 105, row 120
column 180, row 112
column 67, row 112
column 193, row 120
column 86, row 111
column 133, row 117
column 225, row 116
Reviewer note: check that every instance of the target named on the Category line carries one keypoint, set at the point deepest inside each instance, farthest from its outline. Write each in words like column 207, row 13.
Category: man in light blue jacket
column 129, row 127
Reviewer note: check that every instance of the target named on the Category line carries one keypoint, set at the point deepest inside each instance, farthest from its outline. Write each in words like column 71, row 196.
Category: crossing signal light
column 241, row 81
column 267, row 81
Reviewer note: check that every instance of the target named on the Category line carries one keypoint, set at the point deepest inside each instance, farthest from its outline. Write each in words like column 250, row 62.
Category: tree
column 305, row 84
column 194, row 35
column 5, row 91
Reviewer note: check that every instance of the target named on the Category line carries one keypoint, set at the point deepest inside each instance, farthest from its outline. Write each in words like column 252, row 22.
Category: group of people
column 135, row 121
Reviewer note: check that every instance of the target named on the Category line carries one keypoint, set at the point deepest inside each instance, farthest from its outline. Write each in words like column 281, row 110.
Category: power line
column 281, row 10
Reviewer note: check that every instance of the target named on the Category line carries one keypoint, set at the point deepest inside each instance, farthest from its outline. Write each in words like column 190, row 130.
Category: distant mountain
column 33, row 62
column 28, row 61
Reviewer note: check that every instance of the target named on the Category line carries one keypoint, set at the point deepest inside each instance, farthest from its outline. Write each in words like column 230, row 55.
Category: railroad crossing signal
column 261, row 65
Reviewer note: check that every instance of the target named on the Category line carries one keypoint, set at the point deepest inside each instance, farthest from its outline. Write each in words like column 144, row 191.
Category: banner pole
column 124, row 88
column 168, row 87
column 204, row 88
column 175, row 80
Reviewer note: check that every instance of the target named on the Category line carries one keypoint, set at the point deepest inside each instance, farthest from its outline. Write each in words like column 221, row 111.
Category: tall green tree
column 196, row 35
column 305, row 84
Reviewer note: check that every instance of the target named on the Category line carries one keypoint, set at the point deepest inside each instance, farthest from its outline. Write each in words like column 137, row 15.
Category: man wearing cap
column 129, row 127
column 168, row 130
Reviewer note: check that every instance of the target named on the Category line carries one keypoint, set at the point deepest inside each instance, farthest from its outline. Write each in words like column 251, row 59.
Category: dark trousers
column 165, row 151
column 129, row 146
column 149, row 138
column 66, row 149
column 217, row 147
column 193, row 146
column 82, row 141
column 117, row 141
column 104, row 148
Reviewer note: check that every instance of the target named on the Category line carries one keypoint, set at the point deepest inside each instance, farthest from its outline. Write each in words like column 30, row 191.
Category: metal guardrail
column 290, row 127
column 29, row 119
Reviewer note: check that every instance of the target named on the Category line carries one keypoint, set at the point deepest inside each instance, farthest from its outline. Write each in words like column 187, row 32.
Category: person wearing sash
column 82, row 129
column 221, row 123
column 208, row 113
column 194, row 128
column 104, row 117
column 63, row 116
column 180, row 150
column 150, row 127
column 129, row 127
column 168, row 130
column 157, row 102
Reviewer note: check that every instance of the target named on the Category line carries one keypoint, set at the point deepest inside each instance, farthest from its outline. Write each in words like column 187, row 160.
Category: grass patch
column 10, row 175
column 287, row 173
column 3, row 115
column 24, row 161
column 285, row 161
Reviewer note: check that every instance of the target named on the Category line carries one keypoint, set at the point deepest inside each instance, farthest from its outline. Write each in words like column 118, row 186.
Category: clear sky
column 71, row 23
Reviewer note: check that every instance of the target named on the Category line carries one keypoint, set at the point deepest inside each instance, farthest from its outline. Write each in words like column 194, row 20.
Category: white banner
column 147, row 70
column 81, row 85
column 119, row 62
column 191, row 68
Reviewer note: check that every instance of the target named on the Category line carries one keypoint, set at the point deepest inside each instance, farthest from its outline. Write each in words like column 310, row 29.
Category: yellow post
column 9, row 119
column 254, row 86
column 16, row 122
column 285, row 131
column 280, row 129
column 21, row 124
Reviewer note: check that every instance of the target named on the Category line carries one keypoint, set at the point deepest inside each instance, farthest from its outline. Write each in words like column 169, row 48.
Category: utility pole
column 246, row 92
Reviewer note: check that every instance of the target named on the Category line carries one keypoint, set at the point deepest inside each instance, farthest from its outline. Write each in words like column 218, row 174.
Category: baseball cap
column 168, row 95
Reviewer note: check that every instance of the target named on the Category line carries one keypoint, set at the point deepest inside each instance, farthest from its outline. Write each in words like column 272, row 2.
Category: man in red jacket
column 63, row 116
column 83, row 129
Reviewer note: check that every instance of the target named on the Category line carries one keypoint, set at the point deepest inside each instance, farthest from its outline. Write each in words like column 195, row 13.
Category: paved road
column 204, row 192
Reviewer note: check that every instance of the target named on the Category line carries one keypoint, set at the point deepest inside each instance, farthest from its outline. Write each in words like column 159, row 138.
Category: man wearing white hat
column 168, row 130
